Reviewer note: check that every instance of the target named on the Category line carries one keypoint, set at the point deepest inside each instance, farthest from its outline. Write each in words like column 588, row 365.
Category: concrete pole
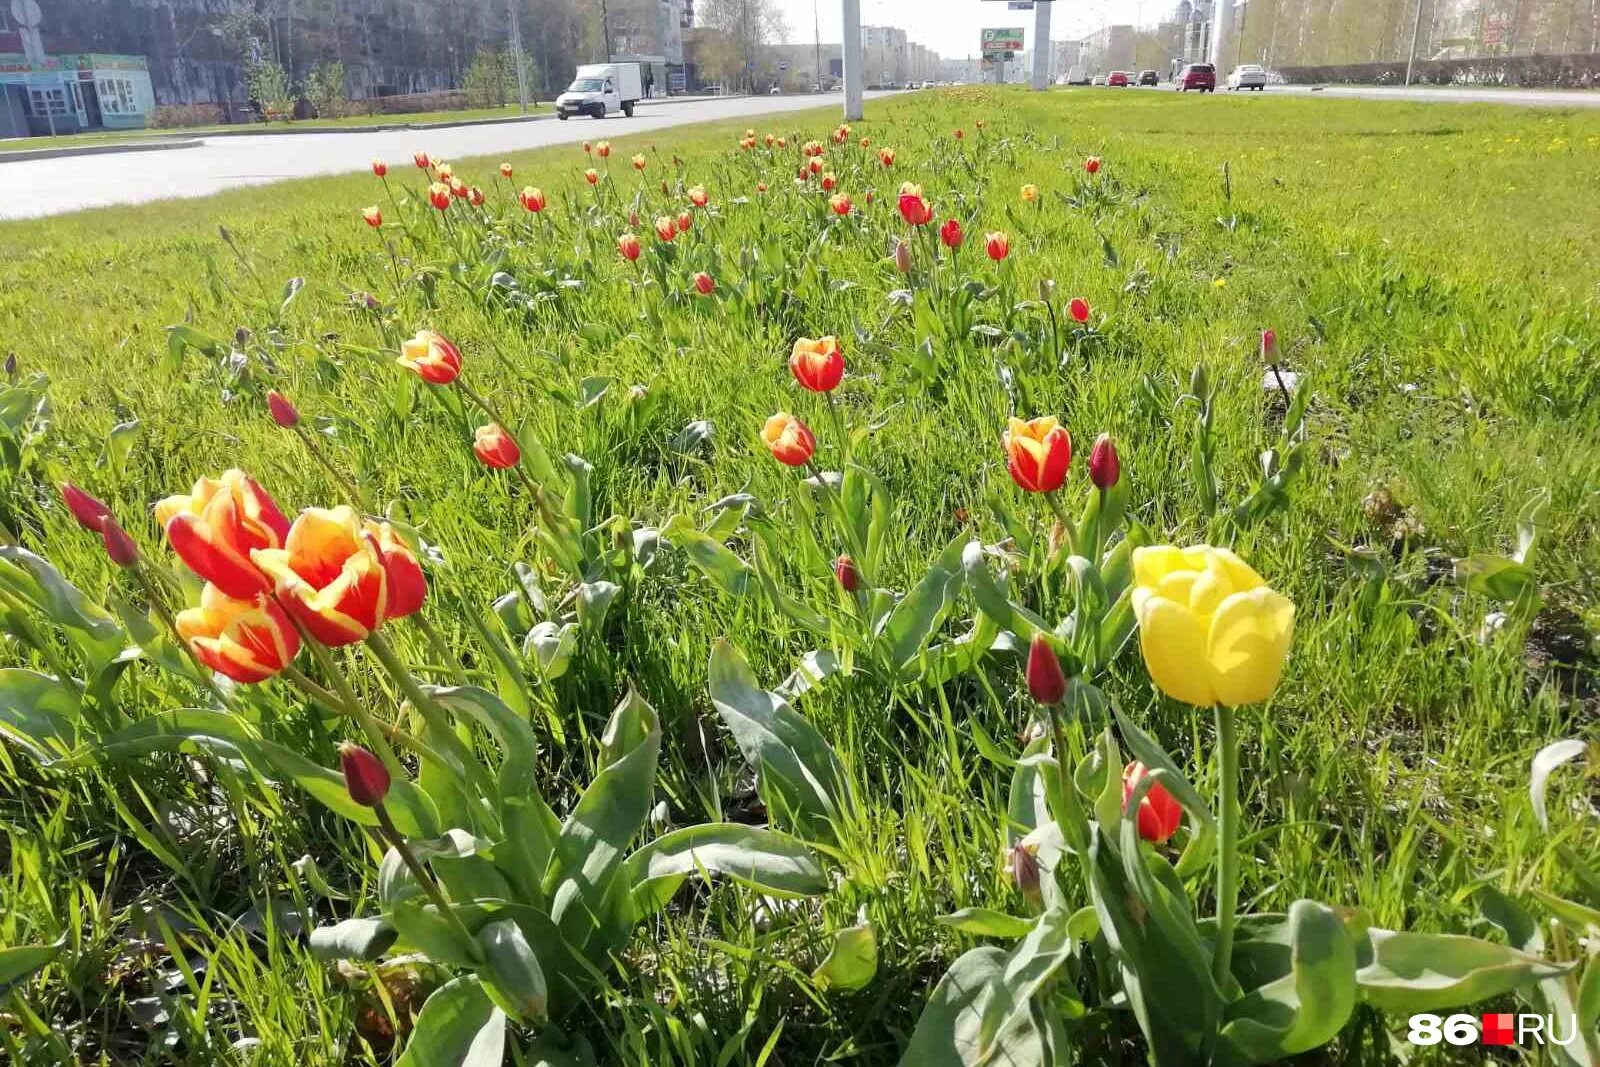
column 1416, row 31
column 1221, row 31
column 851, row 49
column 1041, row 45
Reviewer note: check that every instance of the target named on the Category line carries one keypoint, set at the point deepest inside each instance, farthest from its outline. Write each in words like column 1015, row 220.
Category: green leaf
column 852, row 961
column 714, row 559
column 35, row 580
column 1550, row 996
column 353, row 939
column 801, row 779
column 21, row 962
column 511, row 972
column 1305, row 1007
column 1148, row 750
column 1025, row 808
column 1027, row 974
column 40, row 713
column 459, row 1026
column 912, row 621
column 119, row 445
column 422, row 928
column 594, row 602
column 1495, row 577
column 1545, row 763
column 991, row 596
column 947, row 1032
column 765, row 860
column 1407, row 973
column 1589, row 996
column 986, row 922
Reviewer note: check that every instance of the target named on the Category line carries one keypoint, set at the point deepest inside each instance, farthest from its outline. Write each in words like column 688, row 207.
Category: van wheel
column 562, row 115
column 627, row 109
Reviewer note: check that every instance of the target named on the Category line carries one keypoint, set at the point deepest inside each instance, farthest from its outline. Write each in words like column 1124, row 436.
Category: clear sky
column 950, row 27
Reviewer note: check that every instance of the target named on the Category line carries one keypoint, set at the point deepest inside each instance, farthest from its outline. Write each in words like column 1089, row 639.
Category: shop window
column 117, row 96
column 47, row 102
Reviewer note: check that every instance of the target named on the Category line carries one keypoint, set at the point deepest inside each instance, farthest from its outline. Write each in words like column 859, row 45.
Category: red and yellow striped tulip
column 247, row 640
column 330, row 575
column 788, row 439
column 817, row 364
column 439, row 195
column 215, row 528
column 431, row 355
column 408, row 587
column 495, row 448
column 532, row 198
column 1038, row 453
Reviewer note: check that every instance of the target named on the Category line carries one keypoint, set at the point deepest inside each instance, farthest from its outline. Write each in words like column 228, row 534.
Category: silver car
column 1248, row 76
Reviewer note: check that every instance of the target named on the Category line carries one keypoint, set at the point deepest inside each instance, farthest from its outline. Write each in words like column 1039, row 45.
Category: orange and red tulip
column 704, row 284
column 817, row 364
column 840, row 203
column 697, row 195
column 886, row 156
column 1038, row 453
column 495, row 448
column 248, row 640
column 914, row 207
column 1159, row 814
column 475, row 196
column 665, row 228
column 997, row 246
column 532, row 198
column 459, row 189
column 788, row 439
column 639, row 161
column 591, row 176
column 379, row 168
column 432, row 357
column 829, row 182
column 587, row 148
column 439, row 195
column 1078, row 309
column 216, row 527
column 408, row 587
column 330, row 575
column 505, row 170
column 603, row 149
column 761, row 187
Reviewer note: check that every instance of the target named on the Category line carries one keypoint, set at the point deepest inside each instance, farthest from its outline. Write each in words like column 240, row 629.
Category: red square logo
column 1500, row 1029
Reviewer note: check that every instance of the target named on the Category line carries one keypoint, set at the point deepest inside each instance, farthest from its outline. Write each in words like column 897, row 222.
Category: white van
column 601, row 89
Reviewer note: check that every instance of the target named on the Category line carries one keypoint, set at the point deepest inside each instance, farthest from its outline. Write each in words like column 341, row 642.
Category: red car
column 1201, row 76
column 1118, row 77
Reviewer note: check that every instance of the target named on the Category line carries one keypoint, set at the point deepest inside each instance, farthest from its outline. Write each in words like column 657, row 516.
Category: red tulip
column 366, row 779
column 1046, row 682
column 844, row 570
column 697, row 193
column 246, row 640
column 997, row 245
column 704, row 284
column 217, row 529
column 1104, row 465
column 1269, row 345
column 1092, row 164
column 914, row 208
column 817, row 364
column 666, row 230
column 685, row 221
column 373, row 216
column 587, row 148
column 86, row 509
column 950, row 234
column 432, row 357
column 282, row 411
column 421, row 160
column 886, row 156
column 407, row 587
column 829, row 182
column 959, row 134
column 495, row 447
column 591, row 176
column 603, row 149
column 788, row 439
column 439, row 195
column 840, row 203
column 1079, row 309
column 505, row 170
column 1038, row 453
column 379, row 168
column 532, row 198
column 628, row 245
column 761, row 187
column 1159, row 814
column 119, row 546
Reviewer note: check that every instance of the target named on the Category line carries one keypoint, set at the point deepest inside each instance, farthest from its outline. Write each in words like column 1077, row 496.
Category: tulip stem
column 347, row 696
column 351, row 490
column 1227, row 844
column 1065, row 520
column 436, row 642
column 159, row 606
column 431, row 712
column 472, row 395
column 424, row 880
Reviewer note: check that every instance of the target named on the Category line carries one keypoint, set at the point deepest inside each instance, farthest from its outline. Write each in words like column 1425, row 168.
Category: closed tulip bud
column 829, row 182
column 685, row 221
column 422, row 160
column 1092, row 164
column 505, row 170
column 591, row 176
column 432, row 357
column 697, row 196
column 1038, row 453
column 282, row 411
column 366, row 779
column 439, row 195
column 783, row 142
column 959, row 133
column 11, row 364
column 761, row 187
column 495, row 447
column 379, row 168
column 1030, row 193
column 704, row 284
column 1079, row 309
column 628, row 246
column 475, row 196
column 373, row 216
column 633, row 218
column 639, row 161
column 1025, row 872
column 950, row 234
column 979, row 123
column 603, row 149
column 788, row 439
column 886, row 157
column 997, row 246
column 817, row 364
column 1269, row 345
column 844, row 569
column 460, row 189
column 119, row 546
column 665, row 229
column 587, row 148
column 532, row 199
column 86, row 509
column 1046, row 682
column 1159, row 814
column 1105, row 468
column 902, row 257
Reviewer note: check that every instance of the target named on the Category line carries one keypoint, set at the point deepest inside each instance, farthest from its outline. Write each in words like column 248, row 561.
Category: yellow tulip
column 1211, row 630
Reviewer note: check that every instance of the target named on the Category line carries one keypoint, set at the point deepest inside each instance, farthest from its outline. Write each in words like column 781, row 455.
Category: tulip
column 979, row 123
column 750, row 133
column 248, row 640
column 959, row 133
column 817, row 364
column 783, row 142
column 366, row 779
column 602, row 149
column 119, row 546
column 685, row 221
column 902, row 257
column 844, row 570
column 1092, row 164
column 840, row 204
column 591, row 176
column 665, row 229
column 475, row 196
column 282, row 411
column 432, row 356
column 829, row 182
column 1025, row 872
column 704, row 284
column 1269, row 346
column 697, row 196
column 11, row 365
column 761, row 187
column 88, row 510
column 408, row 588
column 767, row 140
column 330, row 575
column 216, row 529
column 587, row 148
column 373, row 216
column 460, row 189
column 495, row 447
column 816, row 165
column 1038, row 453
column 997, row 245
column 1105, row 468
column 811, row 148
column 1046, row 682
column 1030, row 193
column 1212, row 632
column 505, row 170
column 628, row 246
column 439, row 195
column 1079, row 309
column 914, row 208
column 788, row 439
column 1159, row 814
column 444, row 171
column 532, row 198
column 950, row 234
column 422, row 160
column 866, row 142
column 886, row 156
column 639, row 161
column 379, row 168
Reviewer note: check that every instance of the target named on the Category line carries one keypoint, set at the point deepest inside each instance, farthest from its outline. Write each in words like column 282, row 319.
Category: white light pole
column 1041, row 45
column 850, row 49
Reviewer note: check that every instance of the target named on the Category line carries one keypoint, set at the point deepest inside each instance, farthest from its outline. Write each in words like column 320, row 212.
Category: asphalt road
column 52, row 186
column 1565, row 98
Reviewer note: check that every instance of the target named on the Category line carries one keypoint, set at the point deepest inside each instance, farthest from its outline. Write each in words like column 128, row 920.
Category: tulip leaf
column 991, row 596
column 767, row 861
column 800, row 777
column 422, row 928
column 459, row 1026
column 353, row 939
column 1406, row 973
column 1550, row 996
column 1495, row 577
column 1028, row 971
column 714, row 559
column 986, row 922
column 780, row 599
column 1545, row 763
column 908, row 626
column 40, row 713
column 947, row 1034
column 511, row 972
column 852, row 960
column 35, row 580
column 1025, row 808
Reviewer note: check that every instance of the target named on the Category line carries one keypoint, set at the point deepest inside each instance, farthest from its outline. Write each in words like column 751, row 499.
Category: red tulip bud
column 282, row 411
column 1046, row 682
column 88, row 510
column 1025, row 872
column 902, row 257
column 844, row 569
column 119, row 546
column 1269, row 345
column 366, row 779
column 1104, row 466
column 11, row 364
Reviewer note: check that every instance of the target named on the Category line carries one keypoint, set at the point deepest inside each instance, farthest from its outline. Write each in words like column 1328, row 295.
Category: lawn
column 117, row 136
column 1428, row 273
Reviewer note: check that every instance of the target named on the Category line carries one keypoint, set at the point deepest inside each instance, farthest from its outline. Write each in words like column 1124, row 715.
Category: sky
column 950, row 27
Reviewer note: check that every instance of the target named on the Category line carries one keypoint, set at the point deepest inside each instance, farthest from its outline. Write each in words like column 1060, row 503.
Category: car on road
column 1149, row 77
column 1118, row 78
column 1098, row 79
column 1248, row 76
column 1199, row 76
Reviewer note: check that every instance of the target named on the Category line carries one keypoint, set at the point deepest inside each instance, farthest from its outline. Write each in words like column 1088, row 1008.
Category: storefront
column 68, row 93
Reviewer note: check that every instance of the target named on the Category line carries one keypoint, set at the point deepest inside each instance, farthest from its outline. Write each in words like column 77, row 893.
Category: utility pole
column 516, row 56
column 850, row 47
column 605, row 32
column 1041, row 45
column 816, row 31
column 1416, row 29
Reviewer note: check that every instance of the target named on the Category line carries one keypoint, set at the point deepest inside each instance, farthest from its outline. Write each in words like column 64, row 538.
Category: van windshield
column 585, row 85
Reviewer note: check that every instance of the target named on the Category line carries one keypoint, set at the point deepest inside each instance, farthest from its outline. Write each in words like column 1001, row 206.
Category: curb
column 149, row 144
column 253, row 129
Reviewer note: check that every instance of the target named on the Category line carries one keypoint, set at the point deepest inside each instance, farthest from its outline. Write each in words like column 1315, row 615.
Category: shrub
column 179, row 116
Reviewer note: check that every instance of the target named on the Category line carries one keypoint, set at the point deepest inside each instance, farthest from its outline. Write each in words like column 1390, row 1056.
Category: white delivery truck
column 599, row 89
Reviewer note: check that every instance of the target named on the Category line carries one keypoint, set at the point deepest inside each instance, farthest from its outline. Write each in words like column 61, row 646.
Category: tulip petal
column 1173, row 640
column 1154, row 562
column 1247, row 645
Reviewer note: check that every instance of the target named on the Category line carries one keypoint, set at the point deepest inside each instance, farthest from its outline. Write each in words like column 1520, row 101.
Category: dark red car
column 1201, row 76
column 1118, row 77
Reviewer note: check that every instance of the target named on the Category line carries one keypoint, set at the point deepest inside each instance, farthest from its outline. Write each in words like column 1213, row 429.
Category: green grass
column 1429, row 270
column 117, row 136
